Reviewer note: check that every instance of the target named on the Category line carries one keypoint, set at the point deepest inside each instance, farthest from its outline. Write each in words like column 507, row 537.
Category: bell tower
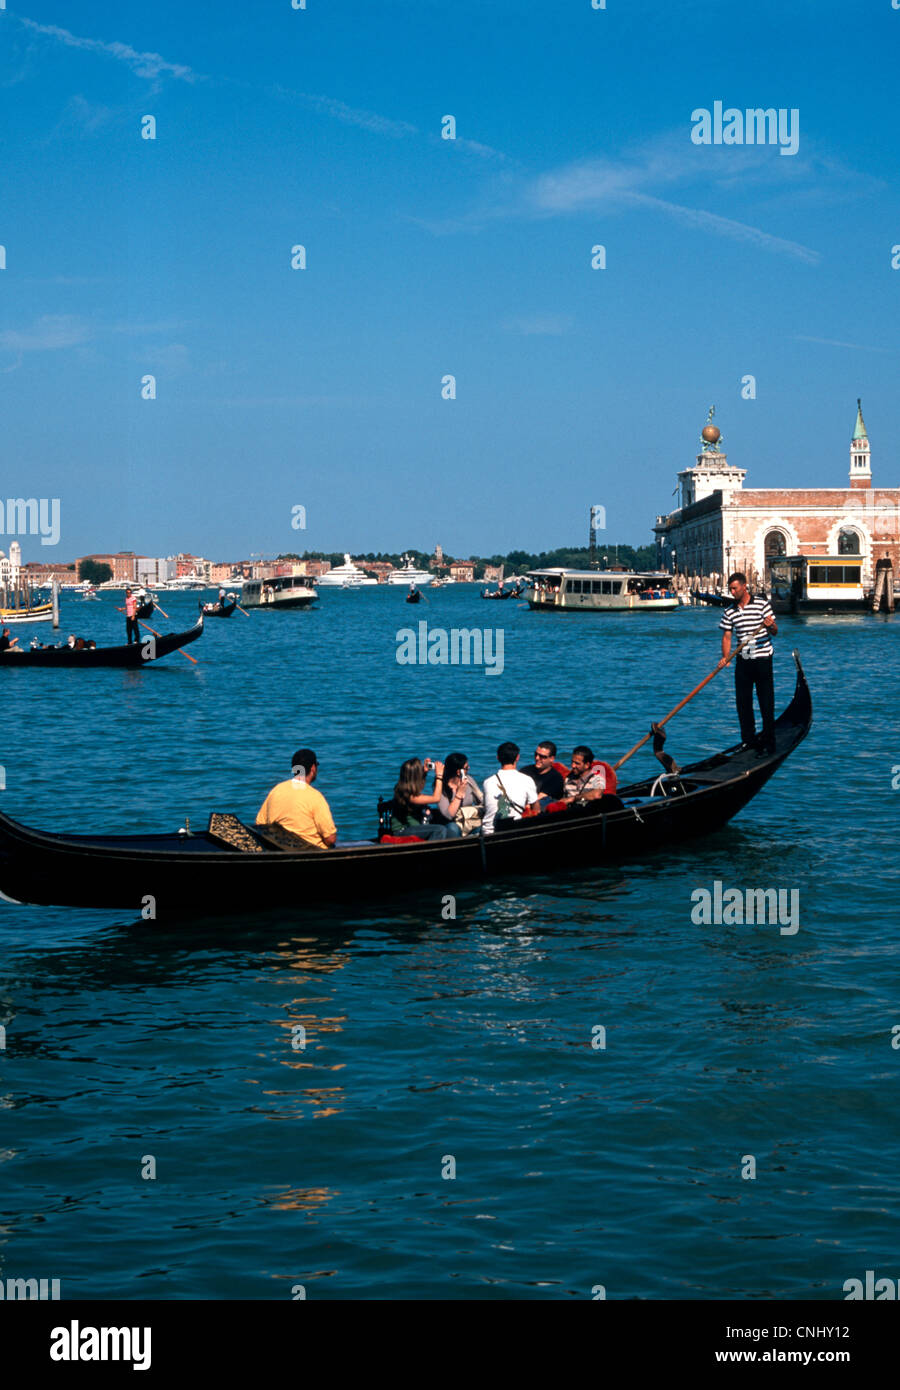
column 860, row 454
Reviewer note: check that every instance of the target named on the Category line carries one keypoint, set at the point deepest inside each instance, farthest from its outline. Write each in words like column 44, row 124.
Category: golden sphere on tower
column 711, row 434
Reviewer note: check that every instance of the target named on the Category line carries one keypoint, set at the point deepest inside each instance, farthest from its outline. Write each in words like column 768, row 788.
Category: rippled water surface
column 468, row 1040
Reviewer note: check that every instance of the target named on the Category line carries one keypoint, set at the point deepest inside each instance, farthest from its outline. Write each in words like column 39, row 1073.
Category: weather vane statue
column 711, row 434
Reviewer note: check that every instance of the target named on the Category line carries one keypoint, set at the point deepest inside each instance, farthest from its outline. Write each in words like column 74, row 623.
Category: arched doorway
column 774, row 547
column 848, row 542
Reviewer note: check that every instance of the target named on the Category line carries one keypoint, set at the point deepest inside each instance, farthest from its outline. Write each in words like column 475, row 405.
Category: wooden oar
column 159, row 634
column 681, row 704
column 162, row 610
column 242, row 610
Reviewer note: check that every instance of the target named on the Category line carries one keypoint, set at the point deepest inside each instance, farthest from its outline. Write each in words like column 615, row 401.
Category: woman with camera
column 411, row 807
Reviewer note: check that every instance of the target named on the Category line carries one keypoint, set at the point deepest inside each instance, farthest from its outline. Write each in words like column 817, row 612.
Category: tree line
column 642, row 557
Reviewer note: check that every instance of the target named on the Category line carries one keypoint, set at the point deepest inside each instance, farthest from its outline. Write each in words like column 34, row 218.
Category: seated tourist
column 92, row 645
column 509, row 791
column 411, row 805
column 545, row 772
column 297, row 806
column 461, row 792
column 585, row 782
column 7, row 643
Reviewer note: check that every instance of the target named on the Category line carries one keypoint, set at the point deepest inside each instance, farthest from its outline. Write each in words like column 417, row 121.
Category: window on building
column 775, row 545
column 848, row 542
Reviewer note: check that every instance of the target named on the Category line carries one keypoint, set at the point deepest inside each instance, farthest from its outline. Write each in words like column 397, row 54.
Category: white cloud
column 46, row 334
column 617, row 186
column 834, row 342
column 349, row 115
column 148, row 65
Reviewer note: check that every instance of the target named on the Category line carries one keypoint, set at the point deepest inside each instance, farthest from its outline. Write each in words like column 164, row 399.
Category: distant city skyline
column 725, row 273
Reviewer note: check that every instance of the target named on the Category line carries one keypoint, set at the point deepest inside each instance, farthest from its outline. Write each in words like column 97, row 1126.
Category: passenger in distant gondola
column 297, row 806
column 411, row 806
column 131, row 618
column 7, row 643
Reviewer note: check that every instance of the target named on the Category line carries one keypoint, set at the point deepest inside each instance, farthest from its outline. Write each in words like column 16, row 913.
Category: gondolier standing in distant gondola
column 131, row 618
column 753, row 667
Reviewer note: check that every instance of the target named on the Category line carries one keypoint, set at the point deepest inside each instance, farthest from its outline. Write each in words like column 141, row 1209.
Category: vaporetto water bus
column 817, row 584
column 599, row 591
column 284, row 591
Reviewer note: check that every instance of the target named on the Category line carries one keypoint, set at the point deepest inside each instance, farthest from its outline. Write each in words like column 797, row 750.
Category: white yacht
column 345, row 576
column 187, row 581
column 408, row 574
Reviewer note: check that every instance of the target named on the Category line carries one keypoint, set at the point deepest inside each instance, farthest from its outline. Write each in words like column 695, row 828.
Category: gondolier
column 131, row 618
column 753, row 667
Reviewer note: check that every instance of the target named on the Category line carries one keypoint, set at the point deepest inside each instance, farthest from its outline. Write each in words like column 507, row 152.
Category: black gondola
column 145, row 609
column 413, row 596
column 218, row 610
column 143, row 653
column 205, row 873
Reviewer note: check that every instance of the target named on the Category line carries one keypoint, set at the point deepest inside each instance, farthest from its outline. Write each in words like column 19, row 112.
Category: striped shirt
column 743, row 622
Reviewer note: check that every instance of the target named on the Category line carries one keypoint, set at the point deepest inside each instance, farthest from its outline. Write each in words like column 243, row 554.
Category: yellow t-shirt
column 300, row 808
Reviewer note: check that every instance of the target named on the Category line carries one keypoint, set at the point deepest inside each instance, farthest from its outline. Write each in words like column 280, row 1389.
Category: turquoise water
column 430, row 1040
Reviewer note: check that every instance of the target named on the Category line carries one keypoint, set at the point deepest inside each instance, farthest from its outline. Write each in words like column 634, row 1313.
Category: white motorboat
column 345, row 576
column 408, row 574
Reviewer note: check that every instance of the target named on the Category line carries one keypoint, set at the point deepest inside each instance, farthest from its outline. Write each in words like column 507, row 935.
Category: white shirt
column 518, row 788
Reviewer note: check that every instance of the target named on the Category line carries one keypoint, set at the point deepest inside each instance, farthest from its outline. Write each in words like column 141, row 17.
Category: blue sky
column 322, row 387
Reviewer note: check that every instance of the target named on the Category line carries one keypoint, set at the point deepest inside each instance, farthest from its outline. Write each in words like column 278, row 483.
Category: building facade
column 10, row 566
column 721, row 526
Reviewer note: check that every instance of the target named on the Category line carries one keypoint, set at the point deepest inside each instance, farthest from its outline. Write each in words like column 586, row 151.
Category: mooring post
column 883, row 597
column 54, row 590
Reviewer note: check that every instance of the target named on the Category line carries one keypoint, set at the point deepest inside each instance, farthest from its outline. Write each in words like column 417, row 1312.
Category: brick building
column 121, row 564
column 721, row 526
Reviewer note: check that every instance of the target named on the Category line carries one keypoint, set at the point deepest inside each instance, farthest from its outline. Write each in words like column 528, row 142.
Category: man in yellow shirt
column 298, row 807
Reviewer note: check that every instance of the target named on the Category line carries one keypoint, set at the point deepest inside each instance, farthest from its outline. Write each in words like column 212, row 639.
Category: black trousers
column 748, row 674
column 131, row 628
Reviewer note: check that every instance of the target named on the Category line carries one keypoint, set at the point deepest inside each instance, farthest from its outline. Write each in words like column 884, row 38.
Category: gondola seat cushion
column 226, row 829
column 401, row 840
